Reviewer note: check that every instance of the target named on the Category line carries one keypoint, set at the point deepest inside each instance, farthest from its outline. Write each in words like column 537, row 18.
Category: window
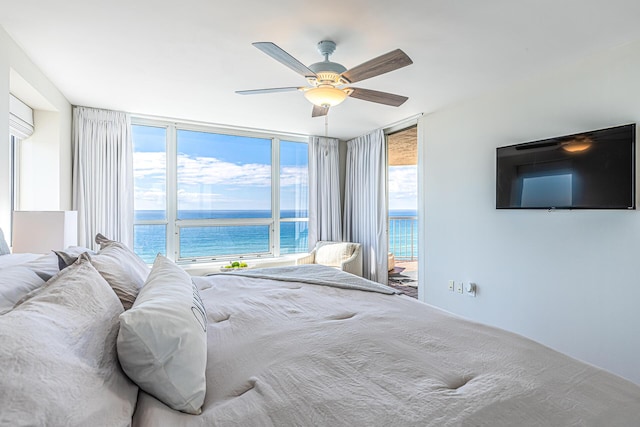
column 150, row 191
column 294, row 197
column 220, row 195
column 21, row 126
column 15, row 173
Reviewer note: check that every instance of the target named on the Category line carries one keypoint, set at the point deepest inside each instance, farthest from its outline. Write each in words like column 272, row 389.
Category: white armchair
column 346, row 256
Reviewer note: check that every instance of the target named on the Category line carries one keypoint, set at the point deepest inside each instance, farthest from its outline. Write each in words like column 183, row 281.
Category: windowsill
column 202, row 269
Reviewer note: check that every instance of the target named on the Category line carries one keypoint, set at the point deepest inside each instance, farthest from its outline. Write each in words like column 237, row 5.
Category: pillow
column 119, row 265
column 162, row 343
column 122, row 269
column 4, row 247
column 333, row 253
column 103, row 241
column 15, row 283
column 45, row 266
column 58, row 360
column 70, row 255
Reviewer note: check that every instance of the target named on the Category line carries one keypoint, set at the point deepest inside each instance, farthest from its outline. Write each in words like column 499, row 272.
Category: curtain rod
column 394, row 124
column 399, row 122
column 216, row 125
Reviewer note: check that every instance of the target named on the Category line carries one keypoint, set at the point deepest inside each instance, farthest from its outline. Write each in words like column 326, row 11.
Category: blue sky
column 225, row 172
column 218, row 172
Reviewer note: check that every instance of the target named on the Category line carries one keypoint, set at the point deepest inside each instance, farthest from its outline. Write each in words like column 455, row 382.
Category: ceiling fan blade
column 269, row 90
column 376, row 66
column 284, row 58
column 319, row 111
column 379, row 97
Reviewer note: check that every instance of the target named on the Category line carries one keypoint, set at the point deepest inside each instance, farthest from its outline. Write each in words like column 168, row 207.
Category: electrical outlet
column 451, row 285
column 459, row 287
column 470, row 289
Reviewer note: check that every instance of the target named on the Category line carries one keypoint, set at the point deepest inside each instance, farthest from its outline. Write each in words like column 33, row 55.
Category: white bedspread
column 315, row 274
column 295, row 354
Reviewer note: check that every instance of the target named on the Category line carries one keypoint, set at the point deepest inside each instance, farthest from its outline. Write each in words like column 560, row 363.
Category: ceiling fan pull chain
column 326, row 126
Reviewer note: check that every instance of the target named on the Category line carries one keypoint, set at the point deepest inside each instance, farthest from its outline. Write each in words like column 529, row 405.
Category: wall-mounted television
column 590, row 170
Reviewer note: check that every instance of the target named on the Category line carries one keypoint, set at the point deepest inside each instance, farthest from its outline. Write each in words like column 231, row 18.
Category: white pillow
column 15, row 283
column 162, row 343
column 58, row 361
column 45, row 266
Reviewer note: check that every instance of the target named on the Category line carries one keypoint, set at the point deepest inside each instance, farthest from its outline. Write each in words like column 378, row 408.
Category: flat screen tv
column 591, row 170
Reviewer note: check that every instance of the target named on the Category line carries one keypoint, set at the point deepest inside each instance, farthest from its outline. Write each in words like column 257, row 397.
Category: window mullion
column 173, row 244
column 275, row 196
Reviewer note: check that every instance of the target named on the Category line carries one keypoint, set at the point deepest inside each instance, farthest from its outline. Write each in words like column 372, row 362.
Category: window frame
column 174, row 225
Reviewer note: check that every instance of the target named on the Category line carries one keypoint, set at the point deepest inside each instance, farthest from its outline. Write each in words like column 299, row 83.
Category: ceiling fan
column 329, row 80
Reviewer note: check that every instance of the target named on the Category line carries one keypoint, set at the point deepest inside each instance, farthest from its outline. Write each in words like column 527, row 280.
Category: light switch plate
column 459, row 287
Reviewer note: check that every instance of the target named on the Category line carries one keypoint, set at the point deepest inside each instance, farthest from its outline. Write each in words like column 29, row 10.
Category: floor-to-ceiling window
column 205, row 194
column 21, row 127
column 403, row 209
column 14, row 153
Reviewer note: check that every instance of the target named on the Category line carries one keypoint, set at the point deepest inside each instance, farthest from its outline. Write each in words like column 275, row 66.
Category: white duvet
column 284, row 353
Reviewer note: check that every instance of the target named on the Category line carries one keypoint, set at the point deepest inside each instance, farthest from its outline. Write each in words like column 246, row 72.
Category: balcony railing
column 403, row 237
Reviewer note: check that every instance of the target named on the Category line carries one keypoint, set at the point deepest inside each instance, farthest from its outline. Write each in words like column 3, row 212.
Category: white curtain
column 324, row 191
column 365, row 210
column 103, row 175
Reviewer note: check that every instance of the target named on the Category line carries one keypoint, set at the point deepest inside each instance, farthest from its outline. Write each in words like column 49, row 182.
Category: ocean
column 251, row 240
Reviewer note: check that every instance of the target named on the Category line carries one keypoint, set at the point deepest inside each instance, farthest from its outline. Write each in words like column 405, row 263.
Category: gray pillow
column 58, row 361
column 4, row 247
column 120, row 266
column 69, row 255
column 125, row 271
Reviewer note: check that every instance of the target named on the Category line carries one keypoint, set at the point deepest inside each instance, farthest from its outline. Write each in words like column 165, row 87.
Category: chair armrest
column 353, row 264
column 307, row 259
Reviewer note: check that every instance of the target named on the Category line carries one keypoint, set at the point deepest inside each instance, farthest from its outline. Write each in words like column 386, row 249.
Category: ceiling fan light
column 324, row 96
column 578, row 144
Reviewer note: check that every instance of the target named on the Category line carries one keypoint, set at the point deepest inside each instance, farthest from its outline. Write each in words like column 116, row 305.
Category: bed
column 312, row 346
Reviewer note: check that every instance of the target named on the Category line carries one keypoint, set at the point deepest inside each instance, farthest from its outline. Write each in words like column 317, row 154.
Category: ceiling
column 184, row 59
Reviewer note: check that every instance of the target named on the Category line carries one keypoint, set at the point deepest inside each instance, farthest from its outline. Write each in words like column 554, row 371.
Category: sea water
column 216, row 242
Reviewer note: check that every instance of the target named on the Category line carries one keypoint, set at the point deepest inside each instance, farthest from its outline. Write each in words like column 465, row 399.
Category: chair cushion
column 334, row 253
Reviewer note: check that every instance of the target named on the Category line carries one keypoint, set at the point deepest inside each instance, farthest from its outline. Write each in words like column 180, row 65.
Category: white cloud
column 211, row 171
column 148, row 165
column 294, row 175
column 149, row 199
column 403, row 187
column 208, row 183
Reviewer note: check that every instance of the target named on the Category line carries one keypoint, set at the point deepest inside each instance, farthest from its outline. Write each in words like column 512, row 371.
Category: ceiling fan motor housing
column 327, row 72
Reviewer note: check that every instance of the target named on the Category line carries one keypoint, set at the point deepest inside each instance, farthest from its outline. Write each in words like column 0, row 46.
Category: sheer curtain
column 324, row 190
column 103, row 175
column 365, row 211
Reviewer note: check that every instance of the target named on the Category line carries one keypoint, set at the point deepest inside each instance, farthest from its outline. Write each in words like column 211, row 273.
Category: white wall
column 5, row 147
column 568, row 279
column 40, row 168
column 46, row 165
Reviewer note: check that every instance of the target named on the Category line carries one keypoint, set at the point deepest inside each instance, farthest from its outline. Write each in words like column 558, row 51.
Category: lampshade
column 325, row 95
column 40, row 232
